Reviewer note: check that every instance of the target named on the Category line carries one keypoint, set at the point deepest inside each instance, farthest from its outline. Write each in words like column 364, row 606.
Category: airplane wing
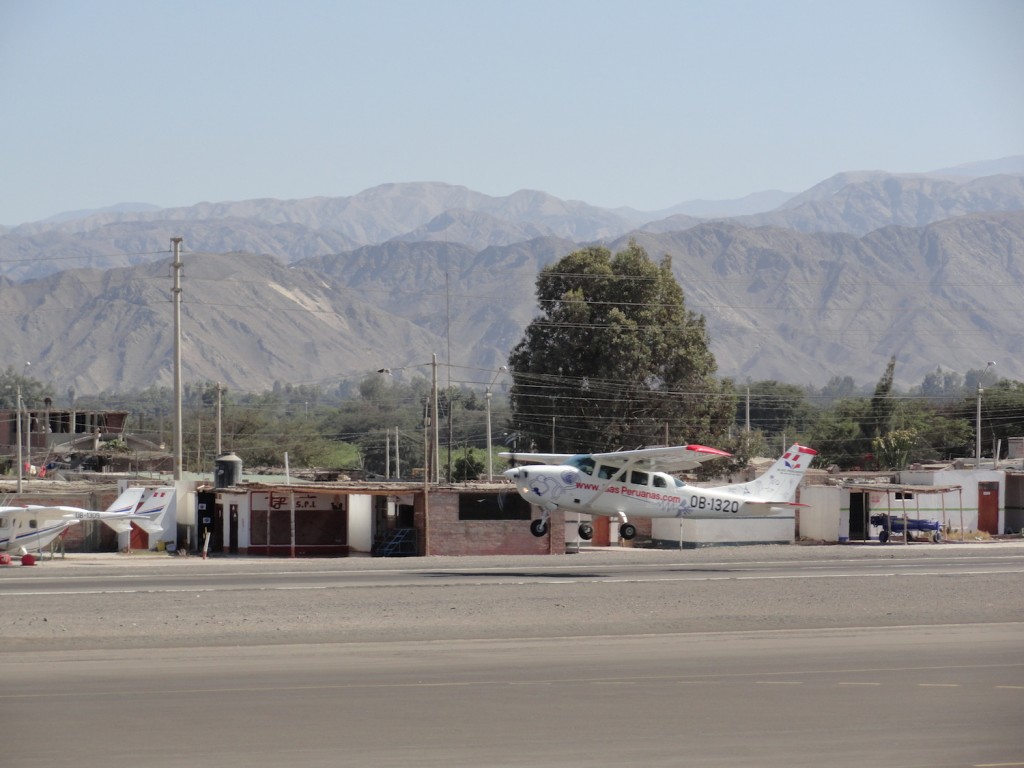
column 48, row 514
column 538, row 458
column 766, row 506
column 675, row 458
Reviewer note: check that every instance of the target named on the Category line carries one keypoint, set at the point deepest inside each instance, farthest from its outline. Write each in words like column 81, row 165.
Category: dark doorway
column 205, row 522
column 233, row 529
column 858, row 516
column 217, row 536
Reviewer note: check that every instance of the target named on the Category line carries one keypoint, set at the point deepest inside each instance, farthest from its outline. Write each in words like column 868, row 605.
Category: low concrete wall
column 693, row 534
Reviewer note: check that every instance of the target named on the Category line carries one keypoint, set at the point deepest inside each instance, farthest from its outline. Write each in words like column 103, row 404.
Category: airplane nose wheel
column 586, row 531
column 538, row 528
column 627, row 531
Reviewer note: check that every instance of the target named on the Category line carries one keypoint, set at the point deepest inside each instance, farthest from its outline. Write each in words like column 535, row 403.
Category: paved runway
column 789, row 658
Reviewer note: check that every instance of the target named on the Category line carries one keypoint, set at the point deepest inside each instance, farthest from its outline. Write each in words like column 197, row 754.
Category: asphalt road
column 760, row 656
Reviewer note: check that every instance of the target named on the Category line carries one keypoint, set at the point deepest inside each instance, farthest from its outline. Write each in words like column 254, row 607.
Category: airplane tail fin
column 150, row 516
column 126, row 503
column 779, row 483
column 117, row 514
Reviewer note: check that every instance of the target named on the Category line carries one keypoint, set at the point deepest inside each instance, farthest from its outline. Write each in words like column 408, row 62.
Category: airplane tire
column 586, row 531
column 627, row 531
column 538, row 528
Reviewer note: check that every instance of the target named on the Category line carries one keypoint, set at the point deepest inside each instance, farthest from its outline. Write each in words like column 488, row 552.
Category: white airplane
column 636, row 483
column 36, row 526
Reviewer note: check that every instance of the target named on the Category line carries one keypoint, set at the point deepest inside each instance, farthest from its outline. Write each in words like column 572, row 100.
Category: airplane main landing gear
column 627, row 531
column 586, row 531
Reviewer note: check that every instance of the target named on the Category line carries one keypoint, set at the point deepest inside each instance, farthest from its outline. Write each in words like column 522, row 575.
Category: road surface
column 746, row 656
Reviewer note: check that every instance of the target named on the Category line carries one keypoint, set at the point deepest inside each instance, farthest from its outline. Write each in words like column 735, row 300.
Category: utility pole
column 977, row 431
column 449, row 398
column 18, row 438
column 977, row 426
column 436, row 450
column 490, row 467
column 21, row 459
column 176, row 296
column 218, row 447
column 398, row 465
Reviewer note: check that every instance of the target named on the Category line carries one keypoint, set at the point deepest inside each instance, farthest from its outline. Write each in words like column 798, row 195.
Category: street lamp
column 977, row 428
column 430, row 452
column 490, row 461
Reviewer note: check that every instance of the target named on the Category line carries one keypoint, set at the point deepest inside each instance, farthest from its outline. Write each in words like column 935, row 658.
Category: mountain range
column 799, row 288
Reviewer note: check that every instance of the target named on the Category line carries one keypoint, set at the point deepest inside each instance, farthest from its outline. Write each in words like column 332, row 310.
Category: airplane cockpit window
column 638, row 478
column 660, row 481
column 583, row 463
column 607, row 472
column 679, row 483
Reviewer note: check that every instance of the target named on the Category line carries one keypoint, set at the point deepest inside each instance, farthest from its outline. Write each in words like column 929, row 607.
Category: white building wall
column 957, row 509
column 360, row 523
column 824, row 518
column 244, row 519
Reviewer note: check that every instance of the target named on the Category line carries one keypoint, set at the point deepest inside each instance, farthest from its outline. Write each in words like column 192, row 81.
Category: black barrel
column 228, row 472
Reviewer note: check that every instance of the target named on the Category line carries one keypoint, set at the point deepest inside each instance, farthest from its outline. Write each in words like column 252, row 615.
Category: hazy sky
column 641, row 103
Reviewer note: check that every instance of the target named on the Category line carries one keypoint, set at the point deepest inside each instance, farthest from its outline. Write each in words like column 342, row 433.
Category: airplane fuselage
column 23, row 532
column 632, row 493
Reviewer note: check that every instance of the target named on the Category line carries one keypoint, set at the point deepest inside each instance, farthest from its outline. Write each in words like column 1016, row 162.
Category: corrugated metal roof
column 901, row 487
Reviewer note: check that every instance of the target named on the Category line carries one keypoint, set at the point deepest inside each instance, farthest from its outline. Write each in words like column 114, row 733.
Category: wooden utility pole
column 176, row 296
column 218, row 446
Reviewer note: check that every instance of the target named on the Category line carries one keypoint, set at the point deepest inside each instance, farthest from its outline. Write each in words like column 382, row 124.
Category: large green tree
column 774, row 408
column 615, row 360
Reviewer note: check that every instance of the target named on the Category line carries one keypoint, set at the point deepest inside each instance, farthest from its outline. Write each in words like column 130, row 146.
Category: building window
column 495, row 506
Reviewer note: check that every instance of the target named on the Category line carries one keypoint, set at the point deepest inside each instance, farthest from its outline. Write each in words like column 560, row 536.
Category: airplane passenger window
column 606, row 472
column 638, row 478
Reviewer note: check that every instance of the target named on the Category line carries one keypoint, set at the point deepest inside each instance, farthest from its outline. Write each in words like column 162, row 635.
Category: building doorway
column 988, row 507
column 859, row 508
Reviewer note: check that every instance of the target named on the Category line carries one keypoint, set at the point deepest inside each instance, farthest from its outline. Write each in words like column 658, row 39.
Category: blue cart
column 891, row 524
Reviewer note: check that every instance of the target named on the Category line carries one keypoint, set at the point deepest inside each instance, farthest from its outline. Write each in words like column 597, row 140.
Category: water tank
column 228, row 471
column 1015, row 448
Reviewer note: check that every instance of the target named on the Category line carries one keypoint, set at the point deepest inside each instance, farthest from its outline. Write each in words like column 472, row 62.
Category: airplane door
column 988, row 507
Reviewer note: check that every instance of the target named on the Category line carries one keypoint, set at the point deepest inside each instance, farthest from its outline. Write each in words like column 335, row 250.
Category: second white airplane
column 636, row 483
column 34, row 526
